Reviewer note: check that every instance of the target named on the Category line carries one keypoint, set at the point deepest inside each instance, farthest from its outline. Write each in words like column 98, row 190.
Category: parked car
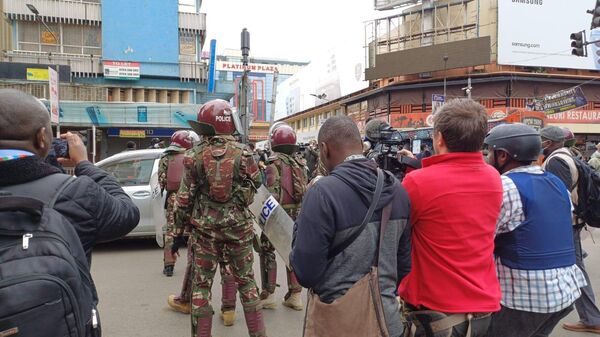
column 137, row 172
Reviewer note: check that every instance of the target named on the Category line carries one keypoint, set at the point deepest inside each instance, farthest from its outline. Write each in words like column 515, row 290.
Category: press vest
column 544, row 240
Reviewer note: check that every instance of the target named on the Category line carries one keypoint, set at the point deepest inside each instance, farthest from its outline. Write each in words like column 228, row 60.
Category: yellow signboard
column 132, row 133
column 35, row 74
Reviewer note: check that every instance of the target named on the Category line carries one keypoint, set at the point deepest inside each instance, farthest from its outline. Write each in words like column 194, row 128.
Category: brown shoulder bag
column 359, row 312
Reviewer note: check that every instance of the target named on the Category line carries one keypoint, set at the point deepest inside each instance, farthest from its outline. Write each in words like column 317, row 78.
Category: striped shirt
column 541, row 291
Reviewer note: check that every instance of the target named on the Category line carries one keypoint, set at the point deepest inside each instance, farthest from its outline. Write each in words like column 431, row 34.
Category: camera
column 384, row 144
column 61, row 148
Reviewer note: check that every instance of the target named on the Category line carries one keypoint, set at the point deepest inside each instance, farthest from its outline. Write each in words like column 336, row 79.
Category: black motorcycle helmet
column 520, row 141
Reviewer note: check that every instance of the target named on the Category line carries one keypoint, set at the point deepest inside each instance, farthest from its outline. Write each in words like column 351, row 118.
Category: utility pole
column 274, row 97
column 445, row 58
column 244, row 115
column 39, row 18
column 469, row 88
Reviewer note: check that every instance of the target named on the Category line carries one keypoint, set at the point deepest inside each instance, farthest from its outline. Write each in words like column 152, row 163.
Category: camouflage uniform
column 218, row 184
column 163, row 167
column 228, row 286
column 286, row 178
column 320, row 171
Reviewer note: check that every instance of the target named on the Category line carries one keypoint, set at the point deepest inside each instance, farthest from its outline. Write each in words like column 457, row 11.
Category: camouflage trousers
column 169, row 230
column 268, row 270
column 228, row 285
column 208, row 251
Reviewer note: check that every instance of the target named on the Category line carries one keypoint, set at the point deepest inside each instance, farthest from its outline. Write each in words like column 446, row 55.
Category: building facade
column 123, row 66
column 264, row 75
column 488, row 50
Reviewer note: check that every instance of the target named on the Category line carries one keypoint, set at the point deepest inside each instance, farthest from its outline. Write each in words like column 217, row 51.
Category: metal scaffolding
column 429, row 23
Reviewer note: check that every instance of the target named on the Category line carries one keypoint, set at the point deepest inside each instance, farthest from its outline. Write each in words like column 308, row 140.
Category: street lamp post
column 322, row 96
column 38, row 17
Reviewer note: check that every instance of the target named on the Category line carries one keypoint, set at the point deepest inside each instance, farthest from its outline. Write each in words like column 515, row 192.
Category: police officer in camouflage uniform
column 219, row 182
column 286, row 179
column 169, row 177
column 170, row 170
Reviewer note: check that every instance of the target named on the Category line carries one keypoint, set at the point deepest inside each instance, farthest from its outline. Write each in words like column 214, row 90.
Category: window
column 92, row 41
column 312, row 121
column 304, row 123
column 131, row 172
column 72, row 39
column 48, row 38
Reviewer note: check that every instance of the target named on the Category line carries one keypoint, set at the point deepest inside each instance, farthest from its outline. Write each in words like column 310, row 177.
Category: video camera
column 384, row 149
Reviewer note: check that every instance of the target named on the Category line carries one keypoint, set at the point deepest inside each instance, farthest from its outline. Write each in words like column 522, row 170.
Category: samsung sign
column 529, row 2
column 536, row 33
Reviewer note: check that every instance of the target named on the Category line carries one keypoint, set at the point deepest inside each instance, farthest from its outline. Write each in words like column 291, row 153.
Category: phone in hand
column 61, row 148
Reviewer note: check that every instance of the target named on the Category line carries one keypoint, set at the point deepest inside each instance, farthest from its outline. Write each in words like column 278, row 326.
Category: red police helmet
column 216, row 118
column 283, row 139
column 184, row 138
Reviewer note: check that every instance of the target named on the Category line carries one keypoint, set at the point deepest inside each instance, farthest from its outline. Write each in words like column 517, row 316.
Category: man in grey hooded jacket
column 334, row 207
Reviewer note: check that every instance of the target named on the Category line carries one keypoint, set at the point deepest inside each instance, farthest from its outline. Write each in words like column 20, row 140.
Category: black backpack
column 45, row 285
column 588, row 189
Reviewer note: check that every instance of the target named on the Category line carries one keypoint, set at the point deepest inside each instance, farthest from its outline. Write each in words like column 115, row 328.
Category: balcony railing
column 91, row 66
column 81, row 65
column 64, row 11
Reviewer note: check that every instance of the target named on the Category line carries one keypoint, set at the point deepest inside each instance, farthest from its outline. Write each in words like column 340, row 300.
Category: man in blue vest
column 535, row 255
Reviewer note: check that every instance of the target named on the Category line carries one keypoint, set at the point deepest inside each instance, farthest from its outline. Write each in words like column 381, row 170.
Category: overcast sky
column 289, row 29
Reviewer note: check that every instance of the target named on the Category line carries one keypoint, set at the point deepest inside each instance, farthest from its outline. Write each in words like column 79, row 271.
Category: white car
column 137, row 173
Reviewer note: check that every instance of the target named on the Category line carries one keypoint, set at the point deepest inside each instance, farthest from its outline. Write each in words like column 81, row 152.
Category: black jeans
column 517, row 323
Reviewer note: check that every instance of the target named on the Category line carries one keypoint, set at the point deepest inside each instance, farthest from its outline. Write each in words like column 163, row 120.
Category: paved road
column 133, row 294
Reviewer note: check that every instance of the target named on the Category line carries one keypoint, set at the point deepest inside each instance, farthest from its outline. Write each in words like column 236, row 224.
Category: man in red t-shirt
column 455, row 202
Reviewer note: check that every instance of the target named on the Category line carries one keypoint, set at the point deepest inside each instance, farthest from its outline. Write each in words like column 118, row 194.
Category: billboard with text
column 536, row 33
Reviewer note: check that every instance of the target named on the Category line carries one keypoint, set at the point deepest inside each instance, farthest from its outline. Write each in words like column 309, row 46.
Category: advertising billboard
column 53, row 86
column 536, row 33
column 36, row 74
column 121, row 70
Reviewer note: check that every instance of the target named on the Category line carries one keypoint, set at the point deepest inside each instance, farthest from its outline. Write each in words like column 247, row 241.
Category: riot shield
column 274, row 222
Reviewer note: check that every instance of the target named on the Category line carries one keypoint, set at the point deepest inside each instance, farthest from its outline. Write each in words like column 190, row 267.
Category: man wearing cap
column 559, row 161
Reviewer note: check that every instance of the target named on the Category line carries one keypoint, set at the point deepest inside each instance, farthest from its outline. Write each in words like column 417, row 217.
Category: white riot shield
column 274, row 222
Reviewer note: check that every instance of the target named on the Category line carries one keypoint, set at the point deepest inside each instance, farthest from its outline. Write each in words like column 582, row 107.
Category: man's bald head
column 21, row 115
column 24, row 123
column 341, row 131
column 338, row 138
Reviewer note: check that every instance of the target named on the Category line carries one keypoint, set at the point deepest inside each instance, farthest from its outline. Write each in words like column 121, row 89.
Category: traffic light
column 595, row 15
column 578, row 44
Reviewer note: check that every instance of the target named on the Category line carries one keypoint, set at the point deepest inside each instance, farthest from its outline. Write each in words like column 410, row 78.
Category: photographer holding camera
column 384, row 145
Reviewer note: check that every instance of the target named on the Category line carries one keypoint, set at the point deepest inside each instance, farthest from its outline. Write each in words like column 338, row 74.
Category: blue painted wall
column 147, row 29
